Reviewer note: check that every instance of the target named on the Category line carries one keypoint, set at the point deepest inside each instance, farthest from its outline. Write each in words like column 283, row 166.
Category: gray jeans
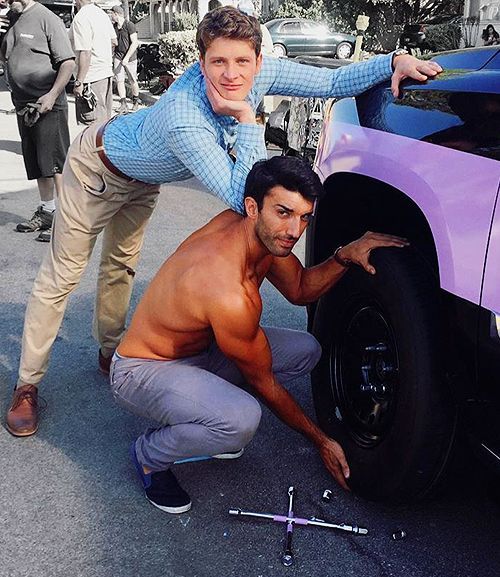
column 197, row 401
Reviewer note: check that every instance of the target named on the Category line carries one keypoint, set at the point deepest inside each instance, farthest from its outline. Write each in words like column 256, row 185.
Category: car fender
column 456, row 191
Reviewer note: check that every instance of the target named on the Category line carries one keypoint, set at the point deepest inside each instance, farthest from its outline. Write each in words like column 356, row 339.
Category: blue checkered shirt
column 180, row 136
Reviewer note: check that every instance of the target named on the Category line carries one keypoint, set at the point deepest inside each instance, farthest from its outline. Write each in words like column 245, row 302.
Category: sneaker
column 41, row 220
column 45, row 235
column 122, row 109
column 162, row 488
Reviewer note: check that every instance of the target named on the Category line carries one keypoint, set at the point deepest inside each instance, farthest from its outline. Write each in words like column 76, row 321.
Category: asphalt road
column 70, row 504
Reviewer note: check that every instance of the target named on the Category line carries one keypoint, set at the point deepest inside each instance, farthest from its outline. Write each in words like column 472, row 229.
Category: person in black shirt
column 125, row 58
column 39, row 62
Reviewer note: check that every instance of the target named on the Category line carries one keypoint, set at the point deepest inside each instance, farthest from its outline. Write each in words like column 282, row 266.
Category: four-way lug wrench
column 287, row 557
column 291, row 520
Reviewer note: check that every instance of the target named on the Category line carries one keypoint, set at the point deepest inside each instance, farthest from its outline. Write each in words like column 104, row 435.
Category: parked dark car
column 298, row 36
column 411, row 355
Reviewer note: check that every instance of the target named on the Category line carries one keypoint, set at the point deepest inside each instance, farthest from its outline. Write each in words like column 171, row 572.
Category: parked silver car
column 299, row 36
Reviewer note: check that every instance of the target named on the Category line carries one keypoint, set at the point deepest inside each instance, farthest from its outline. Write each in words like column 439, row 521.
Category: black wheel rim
column 364, row 364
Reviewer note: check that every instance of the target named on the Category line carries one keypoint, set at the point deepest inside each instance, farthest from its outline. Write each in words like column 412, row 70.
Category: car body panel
column 417, row 168
column 440, row 145
column 306, row 37
column 490, row 298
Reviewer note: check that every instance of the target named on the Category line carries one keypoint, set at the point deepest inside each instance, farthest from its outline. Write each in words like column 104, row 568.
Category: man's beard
column 272, row 242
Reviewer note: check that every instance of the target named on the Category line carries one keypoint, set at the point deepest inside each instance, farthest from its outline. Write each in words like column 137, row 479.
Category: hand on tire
column 334, row 459
column 358, row 251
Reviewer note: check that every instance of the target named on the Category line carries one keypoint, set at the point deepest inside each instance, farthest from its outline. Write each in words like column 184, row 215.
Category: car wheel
column 280, row 50
column 379, row 388
column 344, row 50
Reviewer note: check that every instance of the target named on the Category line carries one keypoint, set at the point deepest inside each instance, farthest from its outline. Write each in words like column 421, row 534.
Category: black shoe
column 44, row 235
column 41, row 220
column 162, row 489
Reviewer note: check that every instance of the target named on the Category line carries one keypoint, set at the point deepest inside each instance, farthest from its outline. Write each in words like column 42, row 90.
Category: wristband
column 341, row 261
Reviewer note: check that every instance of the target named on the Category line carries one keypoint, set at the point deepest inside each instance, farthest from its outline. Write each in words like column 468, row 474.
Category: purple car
column 411, row 356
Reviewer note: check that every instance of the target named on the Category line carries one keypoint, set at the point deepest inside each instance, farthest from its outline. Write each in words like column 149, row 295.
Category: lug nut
column 380, row 348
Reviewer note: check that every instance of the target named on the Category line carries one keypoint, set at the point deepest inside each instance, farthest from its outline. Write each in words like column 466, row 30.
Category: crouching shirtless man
column 196, row 333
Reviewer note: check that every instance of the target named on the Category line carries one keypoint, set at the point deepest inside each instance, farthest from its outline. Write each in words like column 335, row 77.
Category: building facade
column 488, row 12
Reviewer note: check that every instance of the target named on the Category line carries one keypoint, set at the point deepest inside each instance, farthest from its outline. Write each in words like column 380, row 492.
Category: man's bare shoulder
column 214, row 247
column 221, row 223
column 210, row 263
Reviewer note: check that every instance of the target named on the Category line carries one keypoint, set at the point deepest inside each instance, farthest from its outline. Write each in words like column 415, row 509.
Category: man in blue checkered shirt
column 113, row 173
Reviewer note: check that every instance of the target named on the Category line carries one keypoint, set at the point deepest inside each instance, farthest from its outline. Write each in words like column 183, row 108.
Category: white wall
column 489, row 12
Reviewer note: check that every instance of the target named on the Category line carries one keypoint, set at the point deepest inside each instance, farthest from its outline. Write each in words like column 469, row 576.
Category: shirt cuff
column 389, row 58
column 250, row 134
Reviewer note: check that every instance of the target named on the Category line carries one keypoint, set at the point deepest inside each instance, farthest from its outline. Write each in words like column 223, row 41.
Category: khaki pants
column 103, row 90
column 93, row 199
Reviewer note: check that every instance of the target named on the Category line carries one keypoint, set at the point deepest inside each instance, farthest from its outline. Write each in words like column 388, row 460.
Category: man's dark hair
column 289, row 172
column 228, row 22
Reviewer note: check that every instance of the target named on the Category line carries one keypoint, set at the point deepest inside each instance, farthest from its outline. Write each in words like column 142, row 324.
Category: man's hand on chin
column 239, row 109
column 407, row 66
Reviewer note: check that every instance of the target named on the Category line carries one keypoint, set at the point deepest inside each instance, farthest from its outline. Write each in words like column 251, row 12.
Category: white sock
column 49, row 205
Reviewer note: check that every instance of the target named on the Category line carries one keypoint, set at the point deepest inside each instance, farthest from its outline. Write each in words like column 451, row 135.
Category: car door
column 291, row 34
column 318, row 39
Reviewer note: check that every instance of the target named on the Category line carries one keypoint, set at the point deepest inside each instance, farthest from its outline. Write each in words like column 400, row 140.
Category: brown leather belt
column 99, row 140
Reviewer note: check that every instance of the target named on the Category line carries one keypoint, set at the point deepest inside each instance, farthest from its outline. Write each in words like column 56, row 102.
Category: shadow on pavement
column 9, row 217
column 72, row 484
column 11, row 146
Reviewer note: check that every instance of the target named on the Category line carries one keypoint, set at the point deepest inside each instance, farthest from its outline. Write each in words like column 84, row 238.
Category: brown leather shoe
column 104, row 363
column 22, row 416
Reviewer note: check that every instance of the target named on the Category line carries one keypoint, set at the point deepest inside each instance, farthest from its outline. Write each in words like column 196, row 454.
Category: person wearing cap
column 113, row 173
column 125, row 58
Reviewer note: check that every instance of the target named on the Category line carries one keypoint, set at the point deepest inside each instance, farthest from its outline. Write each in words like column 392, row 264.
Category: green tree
column 387, row 17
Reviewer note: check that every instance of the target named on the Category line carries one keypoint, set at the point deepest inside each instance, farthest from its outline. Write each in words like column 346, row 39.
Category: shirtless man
column 196, row 333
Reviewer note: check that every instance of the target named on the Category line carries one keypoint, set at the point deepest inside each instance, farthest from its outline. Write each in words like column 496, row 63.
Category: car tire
column 344, row 50
column 379, row 388
column 280, row 50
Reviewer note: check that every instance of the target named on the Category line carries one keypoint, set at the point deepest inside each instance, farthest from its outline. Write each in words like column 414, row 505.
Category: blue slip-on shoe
column 162, row 488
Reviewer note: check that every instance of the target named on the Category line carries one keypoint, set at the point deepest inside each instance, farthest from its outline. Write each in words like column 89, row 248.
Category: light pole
column 361, row 26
